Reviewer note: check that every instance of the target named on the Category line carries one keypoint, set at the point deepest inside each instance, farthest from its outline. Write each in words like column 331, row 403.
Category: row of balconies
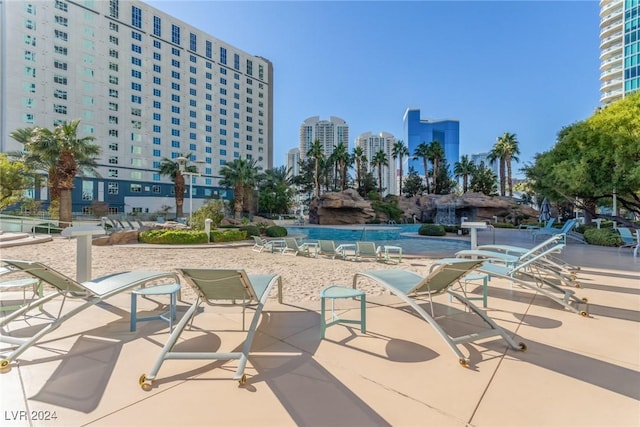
column 610, row 52
column 608, row 97
column 614, row 70
column 612, row 27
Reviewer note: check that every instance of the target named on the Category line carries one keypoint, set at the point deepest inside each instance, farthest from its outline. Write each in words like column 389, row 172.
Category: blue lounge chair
column 328, row 248
column 293, row 248
column 93, row 292
column 566, row 228
column 366, row 250
column 628, row 239
column 214, row 286
column 443, row 275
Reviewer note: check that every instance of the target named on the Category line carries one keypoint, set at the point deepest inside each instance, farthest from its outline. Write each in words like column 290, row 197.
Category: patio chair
column 367, row 250
column 530, row 275
column 445, row 273
column 293, row 248
column 328, row 249
column 566, row 228
column 628, row 239
column 92, row 292
column 513, row 255
column 261, row 244
column 549, row 260
column 219, row 286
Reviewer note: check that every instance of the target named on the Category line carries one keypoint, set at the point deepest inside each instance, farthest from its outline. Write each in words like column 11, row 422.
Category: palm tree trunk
column 238, row 202
column 400, row 184
column 65, row 216
column 426, row 175
column 509, row 183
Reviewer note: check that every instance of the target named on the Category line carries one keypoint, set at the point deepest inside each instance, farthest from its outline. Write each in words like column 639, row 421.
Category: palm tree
column 436, row 154
column 497, row 153
column 359, row 158
column 341, row 156
column 464, row 168
column 511, row 150
column 398, row 151
column 316, row 152
column 422, row 152
column 380, row 160
column 171, row 168
column 64, row 156
column 241, row 174
column 276, row 190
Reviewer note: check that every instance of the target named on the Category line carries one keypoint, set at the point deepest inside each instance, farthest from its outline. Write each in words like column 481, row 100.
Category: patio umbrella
column 545, row 210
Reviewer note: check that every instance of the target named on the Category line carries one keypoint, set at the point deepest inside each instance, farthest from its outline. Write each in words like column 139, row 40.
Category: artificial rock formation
column 346, row 207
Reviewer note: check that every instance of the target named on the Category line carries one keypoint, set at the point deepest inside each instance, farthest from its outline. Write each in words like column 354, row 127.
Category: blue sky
column 528, row 68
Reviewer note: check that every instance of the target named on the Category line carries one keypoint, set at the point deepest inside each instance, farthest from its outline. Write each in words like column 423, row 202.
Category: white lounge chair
column 445, row 273
column 214, row 286
column 93, row 292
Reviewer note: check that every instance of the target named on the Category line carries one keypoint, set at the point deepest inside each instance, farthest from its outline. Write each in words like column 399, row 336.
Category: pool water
column 391, row 235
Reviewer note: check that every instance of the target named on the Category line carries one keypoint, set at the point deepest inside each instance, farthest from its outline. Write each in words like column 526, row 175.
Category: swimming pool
column 403, row 235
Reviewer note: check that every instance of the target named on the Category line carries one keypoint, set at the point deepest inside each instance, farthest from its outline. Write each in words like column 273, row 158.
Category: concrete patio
column 577, row 371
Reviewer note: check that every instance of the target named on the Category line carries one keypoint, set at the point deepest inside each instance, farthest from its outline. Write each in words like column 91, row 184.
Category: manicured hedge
column 251, row 230
column 276, row 231
column 432, row 230
column 173, row 237
column 602, row 237
column 228, row 235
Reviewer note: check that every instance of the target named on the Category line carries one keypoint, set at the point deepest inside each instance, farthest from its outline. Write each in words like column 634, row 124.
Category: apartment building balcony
column 610, row 52
column 611, row 28
column 612, row 85
column 609, row 19
column 610, row 72
column 611, row 96
column 612, row 40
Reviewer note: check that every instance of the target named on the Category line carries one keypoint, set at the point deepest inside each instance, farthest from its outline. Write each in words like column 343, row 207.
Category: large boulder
column 340, row 208
column 117, row 238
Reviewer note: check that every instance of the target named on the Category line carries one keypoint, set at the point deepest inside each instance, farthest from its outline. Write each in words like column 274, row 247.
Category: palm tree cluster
column 504, row 151
column 433, row 153
column 62, row 155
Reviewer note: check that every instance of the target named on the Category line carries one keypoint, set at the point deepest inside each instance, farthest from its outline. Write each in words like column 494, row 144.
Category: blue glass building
column 416, row 131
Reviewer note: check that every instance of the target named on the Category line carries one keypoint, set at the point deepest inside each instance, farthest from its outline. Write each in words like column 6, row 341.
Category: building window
column 223, row 56
column 57, row 78
column 175, row 34
column 136, row 17
column 208, row 48
column 112, row 173
column 112, row 93
column 157, row 27
column 113, row 80
column 113, row 160
column 61, row 35
column 87, row 190
column 113, row 132
column 113, row 146
column 60, row 50
column 113, row 53
column 249, row 67
column 61, row 5
column 193, row 45
column 112, row 187
column 135, row 48
column 27, row 118
column 29, row 24
column 61, row 20
column 113, row 10
column 113, row 26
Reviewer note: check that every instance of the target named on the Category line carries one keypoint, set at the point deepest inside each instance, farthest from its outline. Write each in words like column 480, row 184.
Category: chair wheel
column 4, row 365
column 463, row 362
column 243, row 379
column 144, row 383
column 523, row 346
column 583, row 313
column 585, row 300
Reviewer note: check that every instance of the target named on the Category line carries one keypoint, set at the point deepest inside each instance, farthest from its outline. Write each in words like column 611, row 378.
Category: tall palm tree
column 511, row 150
column 359, row 158
column 398, row 151
column 241, row 174
column 436, row 154
column 276, row 190
column 464, row 168
column 422, row 152
column 497, row 153
column 380, row 160
column 341, row 156
column 316, row 152
column 171, row 168
column 65, row 156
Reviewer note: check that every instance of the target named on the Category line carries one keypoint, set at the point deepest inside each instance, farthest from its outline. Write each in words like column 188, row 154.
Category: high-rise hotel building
column 329, row 132
column 144, row 84
column 619, row 49
column 372, row 144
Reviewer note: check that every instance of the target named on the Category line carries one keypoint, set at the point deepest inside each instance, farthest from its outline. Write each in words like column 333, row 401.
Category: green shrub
column 173, row 237
column 389, row 209
column 228, row 235
column 251, row 230
column 602, row 237
column 452, row 228
column 213, row 210
column 276, row 231
column 431, row 230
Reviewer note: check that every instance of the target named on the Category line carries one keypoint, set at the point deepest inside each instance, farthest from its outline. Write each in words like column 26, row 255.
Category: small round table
column 171, row 289
column 334, row 292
